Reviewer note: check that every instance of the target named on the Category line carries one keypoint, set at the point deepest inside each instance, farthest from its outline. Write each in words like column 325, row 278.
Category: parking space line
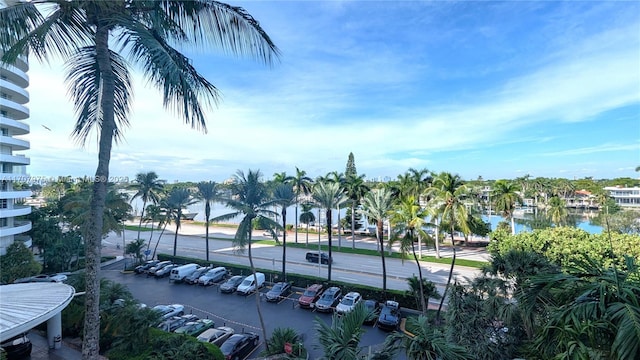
column 225, row 320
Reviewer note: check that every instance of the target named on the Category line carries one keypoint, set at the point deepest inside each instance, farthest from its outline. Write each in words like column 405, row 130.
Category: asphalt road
column 350, row 268
column 238, row 312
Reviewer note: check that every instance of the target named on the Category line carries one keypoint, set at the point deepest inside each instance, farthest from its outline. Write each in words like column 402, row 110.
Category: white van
column 181, row 272
column 248, row 285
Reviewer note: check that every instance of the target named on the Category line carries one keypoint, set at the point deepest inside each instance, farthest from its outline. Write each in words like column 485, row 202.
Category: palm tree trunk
column 339, row 226
column 144, row 204
column 91, row 333
column 513, row 225
column 329, row 235
column 207, row 213
column 446, row 288
column 283, row 220
column 255, row 281
column 151, row 235
column 384, row 265
column 353, row 226
column 158, row 242
column 307, row 234
column 284, row 242
column 175, row 239
column 422, row 302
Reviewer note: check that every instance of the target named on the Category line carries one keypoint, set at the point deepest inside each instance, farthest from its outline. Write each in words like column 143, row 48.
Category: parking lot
column 236, row 311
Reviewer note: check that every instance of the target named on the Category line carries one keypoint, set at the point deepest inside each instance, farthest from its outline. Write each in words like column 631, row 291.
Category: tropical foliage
column 17, row 263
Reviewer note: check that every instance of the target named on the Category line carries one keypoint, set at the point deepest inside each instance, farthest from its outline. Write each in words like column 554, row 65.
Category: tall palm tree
column 208, row 192
column 339, row 178
column 557, row 211
column 355, row 189
column 408, row 221
column 285, row 197
column 307, row 216
column 250, row 199
column 154, row 213
column 328, row 196
column 148, row 188
column 376, row 207
column 177, row 200
column 82, row 33
column 301, row 185
column 449, row 194
column 506, row 198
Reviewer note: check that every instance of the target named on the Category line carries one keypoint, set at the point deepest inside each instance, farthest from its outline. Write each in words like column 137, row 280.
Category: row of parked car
column 386, row 316
column 232, row 345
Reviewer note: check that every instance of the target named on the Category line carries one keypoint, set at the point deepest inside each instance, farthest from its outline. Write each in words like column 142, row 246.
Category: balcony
column 16, row 127
column 15, row 75
column 18, row 210
column 19, row 227
column 18, row 94
column 25, row 239
column 15, row 110
column 14, row 159
column 15, row 194
column 16, row 144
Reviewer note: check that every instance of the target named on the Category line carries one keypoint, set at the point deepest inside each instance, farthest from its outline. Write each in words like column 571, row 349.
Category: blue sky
column 491, row 89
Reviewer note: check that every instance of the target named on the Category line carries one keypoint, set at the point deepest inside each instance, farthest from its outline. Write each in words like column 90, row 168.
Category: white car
column 216, row 336
column 348, row 302
column 167, row 311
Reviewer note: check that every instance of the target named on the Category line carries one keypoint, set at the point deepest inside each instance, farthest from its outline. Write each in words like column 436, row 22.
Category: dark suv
column 313, row 256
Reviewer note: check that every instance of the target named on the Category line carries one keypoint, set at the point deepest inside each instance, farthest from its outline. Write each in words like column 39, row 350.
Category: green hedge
column 302, row 281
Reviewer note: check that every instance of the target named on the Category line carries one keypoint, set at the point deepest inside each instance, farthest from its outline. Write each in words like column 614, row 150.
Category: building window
column 3, row 203
column 5, row 185
column 3, row 222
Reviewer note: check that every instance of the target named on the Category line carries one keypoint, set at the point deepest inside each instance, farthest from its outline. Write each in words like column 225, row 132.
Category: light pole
column 319, row 251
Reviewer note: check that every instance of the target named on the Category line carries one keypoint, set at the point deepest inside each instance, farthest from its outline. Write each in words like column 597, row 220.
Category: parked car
column 231, row 285
column 213, row 276
column 167, row 311
column 216, row 336
column 310, row 296
column 239, row 346
column 314, row 257
column 348, row 302
column 373, row 309
column 17, row 347
column 279, row 291
column 144, row 268
column 389, row 318
column 42, row 278
column 193, row 278
column 248, row 285
column 172, row 323
column 329, row 299
column 195, row 328
column 178, row 274
column 165, row 271
column 158, row 266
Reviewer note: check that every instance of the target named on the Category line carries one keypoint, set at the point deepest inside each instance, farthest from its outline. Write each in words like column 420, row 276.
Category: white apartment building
column 13, row 113
column 625, row 196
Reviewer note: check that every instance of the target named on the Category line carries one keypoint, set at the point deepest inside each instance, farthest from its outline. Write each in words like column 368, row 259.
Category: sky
column 476, row 88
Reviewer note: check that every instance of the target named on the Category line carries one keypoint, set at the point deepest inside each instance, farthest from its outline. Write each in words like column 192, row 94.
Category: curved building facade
column 13, row 112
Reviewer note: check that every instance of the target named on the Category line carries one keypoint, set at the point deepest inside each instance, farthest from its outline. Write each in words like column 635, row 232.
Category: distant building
column 13, row 97
column 582, row 199
column 625, row 196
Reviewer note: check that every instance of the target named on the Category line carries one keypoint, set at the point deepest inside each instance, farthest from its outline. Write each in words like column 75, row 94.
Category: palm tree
column 154, row 213
column 177, row 200
column 148, row 188
column 408, row 221
column 428, row 287
column 278, row 340
column 428, row 343
column 557, row 211
column 341, row 339
column 208, row 191
column 301, row 185
column 339, row 178
column 355, row 189
column 376, row 207
column 506, row 198
column 285, row 197
column 328, row 196
column 307, row 217
column 80, row 32
column 250, row 199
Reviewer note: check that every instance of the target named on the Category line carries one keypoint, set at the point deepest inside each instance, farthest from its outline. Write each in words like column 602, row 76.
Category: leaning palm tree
column 355, row 189
column 328, row 196
column 506, row 198
column 148, row 188
column 376, row 206
column 301, row 185
column 285, row 197
column 408, row 221
column 449, row 196
column 154, row 213
column 82, row 33
column 208, row 192
column 177, row 200
column 249, row 199
column 307, row 216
